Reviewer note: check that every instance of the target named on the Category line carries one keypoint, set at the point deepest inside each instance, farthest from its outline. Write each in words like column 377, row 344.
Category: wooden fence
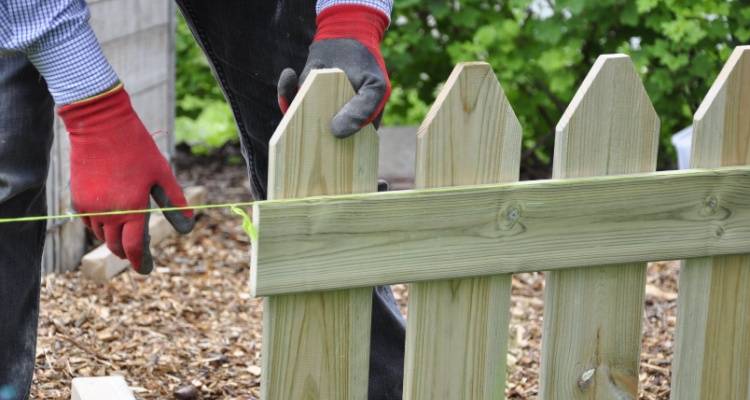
column 459, row 240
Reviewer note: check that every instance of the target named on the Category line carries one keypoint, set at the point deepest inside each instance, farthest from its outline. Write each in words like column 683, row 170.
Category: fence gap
column 592, row 318
column 712, row 354
column 456, row 345
column 317, row 345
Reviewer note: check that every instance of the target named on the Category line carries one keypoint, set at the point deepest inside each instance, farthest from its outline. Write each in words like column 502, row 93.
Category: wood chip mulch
column 191, row 323
column 191, row 331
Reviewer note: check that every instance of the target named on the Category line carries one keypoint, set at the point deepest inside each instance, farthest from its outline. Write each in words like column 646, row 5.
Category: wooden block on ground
column 101, row 265
column 99, row 388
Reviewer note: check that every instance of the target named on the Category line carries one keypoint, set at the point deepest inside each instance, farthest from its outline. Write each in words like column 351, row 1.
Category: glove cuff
column 350, row 21
column 96, row 112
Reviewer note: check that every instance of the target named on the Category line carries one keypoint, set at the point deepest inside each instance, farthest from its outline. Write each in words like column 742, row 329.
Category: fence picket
column 470, row 136
column 712, row 356
column 592, row 316
column 316, row 345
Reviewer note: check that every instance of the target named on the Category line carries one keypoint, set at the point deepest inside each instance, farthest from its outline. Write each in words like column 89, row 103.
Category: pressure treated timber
column 712, row 356
column 470, row 136
column 316, row 346
column 337, row 242
column 591, row 338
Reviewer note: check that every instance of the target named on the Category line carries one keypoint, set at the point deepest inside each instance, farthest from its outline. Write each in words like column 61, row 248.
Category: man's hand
column 115, row 165
column 348, row 37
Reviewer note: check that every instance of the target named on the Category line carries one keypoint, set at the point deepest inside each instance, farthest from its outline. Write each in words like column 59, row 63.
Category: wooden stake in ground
column 712, row 357
column 316, row 346
column 373, row 239
column 592, row 316
column 457, row 337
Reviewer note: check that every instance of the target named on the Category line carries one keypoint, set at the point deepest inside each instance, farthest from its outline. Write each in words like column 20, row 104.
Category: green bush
column 540, row 50
column 203, row 118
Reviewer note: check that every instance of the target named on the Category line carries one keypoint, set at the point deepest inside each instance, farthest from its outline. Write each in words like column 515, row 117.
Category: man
column 51, row 57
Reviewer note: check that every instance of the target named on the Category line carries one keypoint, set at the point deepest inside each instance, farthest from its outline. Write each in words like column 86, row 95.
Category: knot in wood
column 513, row 214
column 586, row 378
column 509, row 216
column 710, row 205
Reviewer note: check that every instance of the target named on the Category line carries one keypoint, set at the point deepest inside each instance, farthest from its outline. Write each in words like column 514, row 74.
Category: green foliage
column 541, row 51
column 204, row 120
column 213, row 126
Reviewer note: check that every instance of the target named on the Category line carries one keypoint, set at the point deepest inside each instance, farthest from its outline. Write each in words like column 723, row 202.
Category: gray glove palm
column 348, row 38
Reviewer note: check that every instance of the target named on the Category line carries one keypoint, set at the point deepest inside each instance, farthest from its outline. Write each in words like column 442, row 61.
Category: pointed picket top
column 338, row 165
column 721, row 126
column 611, row 115
column 470, row 112
column 712, row 341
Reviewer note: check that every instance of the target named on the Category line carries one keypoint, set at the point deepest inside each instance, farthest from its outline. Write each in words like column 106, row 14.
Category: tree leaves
column 541, row 50
column 203, row 118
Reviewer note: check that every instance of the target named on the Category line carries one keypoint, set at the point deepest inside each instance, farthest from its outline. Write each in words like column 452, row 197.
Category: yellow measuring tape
column 247, row 223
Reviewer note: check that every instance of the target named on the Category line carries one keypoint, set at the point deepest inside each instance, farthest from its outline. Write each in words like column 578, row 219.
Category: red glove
column 348, row 37
column 115, row 165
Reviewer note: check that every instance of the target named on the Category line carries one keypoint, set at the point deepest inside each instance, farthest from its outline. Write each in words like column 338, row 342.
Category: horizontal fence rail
column 381, row 238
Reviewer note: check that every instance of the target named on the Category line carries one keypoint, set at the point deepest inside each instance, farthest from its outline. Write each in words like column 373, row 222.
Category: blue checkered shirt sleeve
column 56, row 37
column 383, row 5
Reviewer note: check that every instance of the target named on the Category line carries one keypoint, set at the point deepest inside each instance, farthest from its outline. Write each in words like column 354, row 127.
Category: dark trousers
column 25, row 139
column 249, row 44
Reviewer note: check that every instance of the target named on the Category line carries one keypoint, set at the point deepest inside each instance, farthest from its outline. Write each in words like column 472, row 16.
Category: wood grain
column 316, row 346
column 712, row 357
column 470, row 136
column 337, row 242
column 592, row 316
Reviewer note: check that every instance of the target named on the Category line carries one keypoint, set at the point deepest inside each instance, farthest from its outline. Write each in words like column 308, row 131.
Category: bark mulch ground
column 190, row 330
